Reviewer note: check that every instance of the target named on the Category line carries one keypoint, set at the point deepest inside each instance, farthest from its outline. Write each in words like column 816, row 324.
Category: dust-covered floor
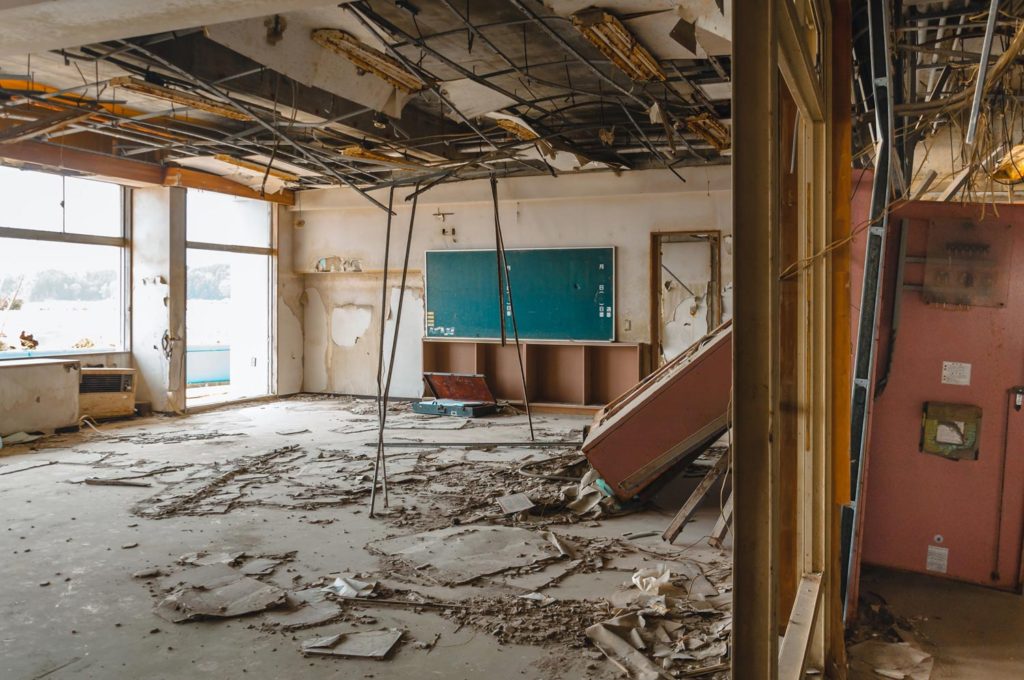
column 201, row 546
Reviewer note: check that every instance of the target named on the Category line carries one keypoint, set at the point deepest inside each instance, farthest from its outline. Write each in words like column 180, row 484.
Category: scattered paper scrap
column 513, row 503
column 895, row 660
column 348, row 587
column 375, row 644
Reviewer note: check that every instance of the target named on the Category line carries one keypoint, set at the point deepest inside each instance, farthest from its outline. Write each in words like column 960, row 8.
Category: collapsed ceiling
column 392, row 92
column 936, row 51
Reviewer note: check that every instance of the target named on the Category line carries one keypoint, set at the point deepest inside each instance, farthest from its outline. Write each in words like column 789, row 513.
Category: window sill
column 21, row 355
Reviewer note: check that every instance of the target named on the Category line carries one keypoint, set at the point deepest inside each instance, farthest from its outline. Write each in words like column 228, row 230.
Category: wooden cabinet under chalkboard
column 559, row 293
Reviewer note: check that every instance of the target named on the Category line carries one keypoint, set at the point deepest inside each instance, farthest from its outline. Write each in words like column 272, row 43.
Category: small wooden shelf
column 566, row 377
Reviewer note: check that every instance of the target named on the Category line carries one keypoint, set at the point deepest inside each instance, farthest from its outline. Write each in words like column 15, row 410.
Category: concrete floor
column 92, row 619
column 973, row 633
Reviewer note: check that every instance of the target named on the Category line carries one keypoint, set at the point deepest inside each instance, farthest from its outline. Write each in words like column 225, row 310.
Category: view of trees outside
column 58, row 297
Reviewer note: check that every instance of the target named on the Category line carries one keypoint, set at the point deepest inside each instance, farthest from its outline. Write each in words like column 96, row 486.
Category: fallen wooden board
column 722, row 526
column 685, row 512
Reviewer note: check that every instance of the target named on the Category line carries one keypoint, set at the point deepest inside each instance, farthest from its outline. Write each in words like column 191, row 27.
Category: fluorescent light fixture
column 368, row 59
column 359, row 153
column 521, row 131
column 710, row 130
column 614, row 40
column 177, row 97
column 256, row 167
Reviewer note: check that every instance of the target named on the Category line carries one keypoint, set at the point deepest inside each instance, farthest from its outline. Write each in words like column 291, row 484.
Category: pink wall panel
column 912, row 497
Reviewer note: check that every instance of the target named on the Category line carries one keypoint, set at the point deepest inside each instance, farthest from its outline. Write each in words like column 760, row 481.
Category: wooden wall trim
column 131, row 172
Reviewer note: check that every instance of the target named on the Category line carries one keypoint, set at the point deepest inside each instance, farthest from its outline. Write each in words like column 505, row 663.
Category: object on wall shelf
column 951, row 430
column 967, row 265
column 337, row 264
column 570, row 377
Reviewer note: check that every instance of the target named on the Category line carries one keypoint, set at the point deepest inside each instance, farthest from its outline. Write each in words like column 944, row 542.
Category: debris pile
column 668, row 623
column 531, row 621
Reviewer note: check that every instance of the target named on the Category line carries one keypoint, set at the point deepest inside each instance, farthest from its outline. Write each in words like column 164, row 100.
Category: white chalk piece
column 938, row 559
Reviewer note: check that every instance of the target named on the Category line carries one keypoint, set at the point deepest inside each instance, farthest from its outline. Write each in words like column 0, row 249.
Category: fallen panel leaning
column 674, row 413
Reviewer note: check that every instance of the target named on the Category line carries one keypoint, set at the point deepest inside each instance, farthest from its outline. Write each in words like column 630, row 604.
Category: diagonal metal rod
column 381, row 409
column 979, row 85
column 381, row 463
column 565, row 45
column 224, row 96
column 470, row 75
column 645, row 140
column 500, row 247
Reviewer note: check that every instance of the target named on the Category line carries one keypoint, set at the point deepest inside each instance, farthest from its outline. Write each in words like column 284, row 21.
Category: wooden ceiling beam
column 130, row 172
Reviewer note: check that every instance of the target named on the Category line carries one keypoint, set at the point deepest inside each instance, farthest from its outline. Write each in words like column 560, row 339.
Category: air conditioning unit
column 106, row 392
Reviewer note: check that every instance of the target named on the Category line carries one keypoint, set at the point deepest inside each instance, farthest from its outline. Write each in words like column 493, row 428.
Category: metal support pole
column 380, row 463
column 503, row 264
column 979, row 80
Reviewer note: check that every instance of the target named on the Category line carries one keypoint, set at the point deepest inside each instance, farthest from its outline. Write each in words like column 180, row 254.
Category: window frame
column 271, row 253
column 123, row 242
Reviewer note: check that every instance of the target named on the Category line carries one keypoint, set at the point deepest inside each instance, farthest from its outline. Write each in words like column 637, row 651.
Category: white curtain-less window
column 228, row 304
column 62, row 265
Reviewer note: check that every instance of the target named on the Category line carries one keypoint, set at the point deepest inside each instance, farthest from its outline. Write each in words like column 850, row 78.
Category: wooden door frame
column 714, row 294
column 783, row 44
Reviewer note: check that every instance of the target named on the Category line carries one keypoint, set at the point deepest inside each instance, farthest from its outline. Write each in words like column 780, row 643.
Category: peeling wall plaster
column 348, row 323
column 318, row 347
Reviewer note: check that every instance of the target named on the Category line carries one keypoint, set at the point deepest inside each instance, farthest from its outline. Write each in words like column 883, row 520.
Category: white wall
column 599, row 209
column 158, row 295
column 289, row 312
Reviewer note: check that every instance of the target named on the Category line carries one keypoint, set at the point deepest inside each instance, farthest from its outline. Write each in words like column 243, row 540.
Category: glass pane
column 92, row 207
column 59, row 297
column 30, row 200
column 228, row 220
column 228, row 326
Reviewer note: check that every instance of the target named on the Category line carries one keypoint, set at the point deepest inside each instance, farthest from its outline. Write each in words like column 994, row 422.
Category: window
column 62, row 265
column 228, row 304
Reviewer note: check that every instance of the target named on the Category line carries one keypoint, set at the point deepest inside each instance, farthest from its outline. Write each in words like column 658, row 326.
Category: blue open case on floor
column 465, row 395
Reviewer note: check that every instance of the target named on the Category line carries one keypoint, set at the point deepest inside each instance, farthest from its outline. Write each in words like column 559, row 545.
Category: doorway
column 228, row 303
column 686, row 292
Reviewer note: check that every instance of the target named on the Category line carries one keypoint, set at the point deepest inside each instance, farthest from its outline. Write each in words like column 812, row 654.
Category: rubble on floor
column 484, row 537
column 882, row 644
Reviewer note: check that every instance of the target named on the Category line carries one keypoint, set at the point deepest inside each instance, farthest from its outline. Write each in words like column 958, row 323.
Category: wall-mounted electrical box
column 951, row 430
column 967, row 265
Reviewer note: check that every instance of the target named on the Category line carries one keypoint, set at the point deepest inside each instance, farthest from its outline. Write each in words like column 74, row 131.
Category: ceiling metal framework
column 562, row 99
column 956, row 80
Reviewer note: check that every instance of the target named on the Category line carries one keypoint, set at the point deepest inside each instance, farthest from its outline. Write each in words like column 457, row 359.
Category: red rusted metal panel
column 459, row 387
column 672, row 414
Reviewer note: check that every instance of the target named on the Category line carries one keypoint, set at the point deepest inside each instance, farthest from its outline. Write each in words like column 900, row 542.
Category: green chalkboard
column 559, row 293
